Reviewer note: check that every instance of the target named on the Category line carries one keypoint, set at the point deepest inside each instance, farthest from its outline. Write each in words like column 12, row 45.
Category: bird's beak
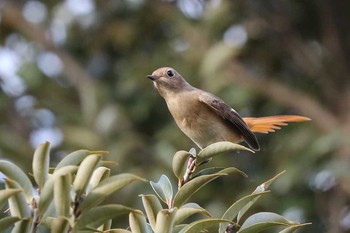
column 153, row 77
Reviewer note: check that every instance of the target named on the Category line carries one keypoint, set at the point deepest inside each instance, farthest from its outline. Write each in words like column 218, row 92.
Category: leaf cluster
column 68, row 198
column 172, row 218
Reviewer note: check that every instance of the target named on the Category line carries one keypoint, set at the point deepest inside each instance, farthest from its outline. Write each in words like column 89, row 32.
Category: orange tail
column 271, row 123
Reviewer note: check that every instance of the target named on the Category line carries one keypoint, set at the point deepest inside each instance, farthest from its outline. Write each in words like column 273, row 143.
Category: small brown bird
column 205, row 118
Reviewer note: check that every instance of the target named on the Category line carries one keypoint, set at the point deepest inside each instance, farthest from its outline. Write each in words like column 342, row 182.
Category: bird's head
column 168, row 81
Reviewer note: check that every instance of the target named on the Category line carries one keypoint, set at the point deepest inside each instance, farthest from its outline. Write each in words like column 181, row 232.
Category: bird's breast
column 202, row 125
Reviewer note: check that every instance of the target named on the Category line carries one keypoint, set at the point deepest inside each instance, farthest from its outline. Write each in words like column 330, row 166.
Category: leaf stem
column 191, row 167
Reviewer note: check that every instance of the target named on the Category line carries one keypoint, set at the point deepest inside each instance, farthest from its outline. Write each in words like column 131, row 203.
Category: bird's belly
column 205, row 128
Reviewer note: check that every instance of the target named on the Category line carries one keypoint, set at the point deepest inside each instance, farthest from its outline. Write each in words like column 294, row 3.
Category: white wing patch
column 232, row 110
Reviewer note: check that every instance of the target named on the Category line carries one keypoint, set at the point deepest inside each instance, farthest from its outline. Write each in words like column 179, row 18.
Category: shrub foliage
column 70, row 197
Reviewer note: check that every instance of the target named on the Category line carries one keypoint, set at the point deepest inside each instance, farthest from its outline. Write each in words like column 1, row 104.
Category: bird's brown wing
column 231, row 116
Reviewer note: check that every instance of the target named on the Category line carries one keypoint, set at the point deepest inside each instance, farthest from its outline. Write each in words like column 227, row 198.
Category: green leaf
column 117, row 231
column 98, row 175
column 188, row 210
column 7, row 222
column 106, row 226
column 46, row 195
column 214, row 170
column 264, row 186
column 179, row 227
column 293, row 228
column 261, row 188
column 193, row 152
column 218, row 148
column 152, row 207
column 17, row 202
column 76, row 157
column 106, row 188
column 84, row 173
column 50, row 211
column 62, row 198
column 165, row 221
column 200, row 225
column 262, row 221
column 97, row 216
column 22, row 226
column 191, row 187
column 163, row 189
column 232, row 212
column 13, row 172
column 137, row 222
column 179, row 163
column 47, row 221
column 5, row 194
column 41, row 160
column 60, row 225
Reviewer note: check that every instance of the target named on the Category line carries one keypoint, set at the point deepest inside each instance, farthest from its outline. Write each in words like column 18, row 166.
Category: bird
column 206, row 119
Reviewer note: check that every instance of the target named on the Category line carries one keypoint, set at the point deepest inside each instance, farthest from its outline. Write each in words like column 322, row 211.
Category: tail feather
column 271, row 123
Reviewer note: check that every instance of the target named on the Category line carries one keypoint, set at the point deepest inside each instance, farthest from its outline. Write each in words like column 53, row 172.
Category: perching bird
column 207, row 119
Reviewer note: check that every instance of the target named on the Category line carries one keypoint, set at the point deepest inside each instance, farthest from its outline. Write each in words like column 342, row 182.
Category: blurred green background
column 74, row 73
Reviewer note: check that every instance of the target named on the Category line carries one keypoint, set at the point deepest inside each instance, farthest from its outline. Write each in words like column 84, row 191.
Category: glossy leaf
column 106, row 226
column 46, row 195
column 6, row 194
column 214, row 170
column 98, row 175
column 163, row 189
column 117, row 231
column 13, row 172
column 60, row 225
column 17, row 202
column 202, row 224
column 261, row 188
column 22, row 226
column 84, row 173
column 165, row 221
column 62, row 198
column 264, row 186
column 262, row 221
column 49, row 212
column 97, row 216
column 137, row 222
column 233, row 211
column 73, row 158
column 191, row 187
column 152, row 206
column 188, row 210
column 193, row 152
column 106, row 188
column 179, row 163
column 218, row 148
column 76, row 157
column 293, row 228
column 47, row 221
column 179, row 227
column 41, row 160
column 7, row 222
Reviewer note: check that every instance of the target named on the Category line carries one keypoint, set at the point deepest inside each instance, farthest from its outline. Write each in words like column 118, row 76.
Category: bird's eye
column 170, row 73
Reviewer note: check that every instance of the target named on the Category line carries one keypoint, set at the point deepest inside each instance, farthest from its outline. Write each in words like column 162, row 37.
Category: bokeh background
column 74, row 73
